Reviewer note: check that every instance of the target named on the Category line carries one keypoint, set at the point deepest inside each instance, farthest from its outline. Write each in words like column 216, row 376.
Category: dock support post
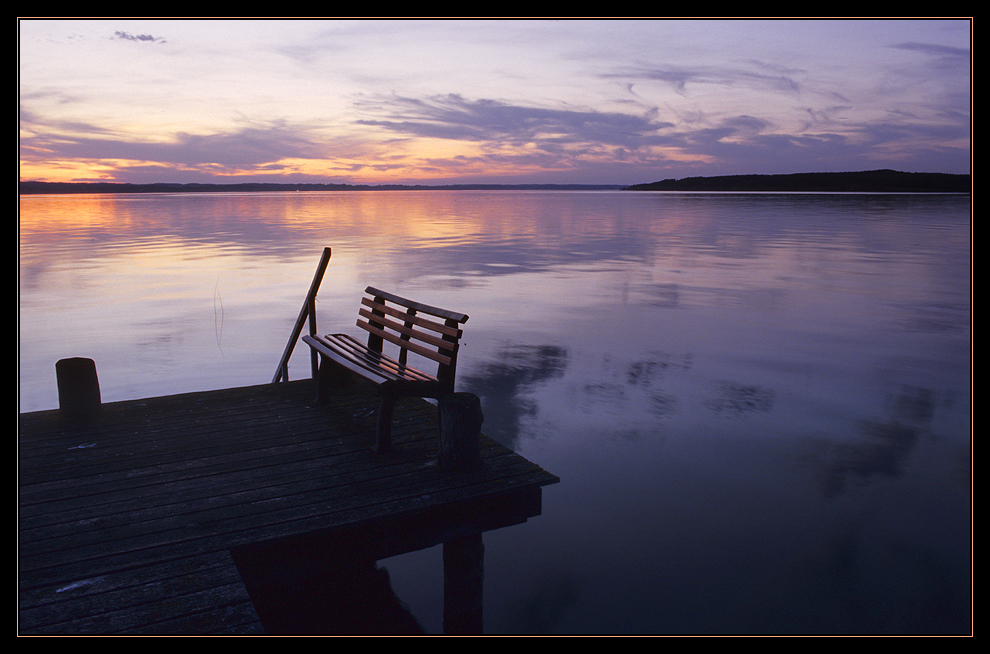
column 78, row 387
column 460, row 432
column 463, row 581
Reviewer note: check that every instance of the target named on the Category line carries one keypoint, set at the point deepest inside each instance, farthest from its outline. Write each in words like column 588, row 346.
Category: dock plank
column 126, row 525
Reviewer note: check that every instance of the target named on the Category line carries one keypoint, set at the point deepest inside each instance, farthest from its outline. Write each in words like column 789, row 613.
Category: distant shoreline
column 32, row 188
column 874, row 181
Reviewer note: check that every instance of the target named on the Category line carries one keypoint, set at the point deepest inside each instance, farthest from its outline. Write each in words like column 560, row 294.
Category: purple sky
column 549, row 101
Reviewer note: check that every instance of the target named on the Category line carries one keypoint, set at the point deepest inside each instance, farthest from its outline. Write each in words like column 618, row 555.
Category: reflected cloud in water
column 735, row 400
column 502, row 384
column 883, row 447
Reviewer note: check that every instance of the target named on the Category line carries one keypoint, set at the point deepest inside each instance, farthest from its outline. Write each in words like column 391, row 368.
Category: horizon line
column 449, row 184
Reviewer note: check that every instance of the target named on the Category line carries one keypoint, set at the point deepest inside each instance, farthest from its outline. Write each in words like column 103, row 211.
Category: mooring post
column 78, row 387
column 460, row 432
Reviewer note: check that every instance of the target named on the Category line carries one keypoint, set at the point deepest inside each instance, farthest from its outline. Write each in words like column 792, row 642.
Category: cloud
column 533, row 137
column 680, row 76
column 454, row 117
column 935, row 50
column 124, row 36
column 246, row 147
column 517, row 139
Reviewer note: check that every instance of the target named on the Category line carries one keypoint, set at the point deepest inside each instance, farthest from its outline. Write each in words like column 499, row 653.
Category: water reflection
column 631, row 397
column 758, row 404
column 502, row 384
column 883, row 447
column 734, row 399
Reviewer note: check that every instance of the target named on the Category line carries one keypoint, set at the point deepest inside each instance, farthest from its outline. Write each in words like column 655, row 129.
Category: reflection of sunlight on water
column 757, row 405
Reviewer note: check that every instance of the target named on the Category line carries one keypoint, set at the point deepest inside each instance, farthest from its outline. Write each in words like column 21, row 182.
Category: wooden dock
column 149, row 518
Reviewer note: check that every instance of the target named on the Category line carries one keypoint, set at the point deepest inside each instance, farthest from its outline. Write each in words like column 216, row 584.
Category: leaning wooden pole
column 308, row 311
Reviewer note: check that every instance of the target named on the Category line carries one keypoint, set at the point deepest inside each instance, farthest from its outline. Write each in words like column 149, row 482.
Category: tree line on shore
column 872, row 181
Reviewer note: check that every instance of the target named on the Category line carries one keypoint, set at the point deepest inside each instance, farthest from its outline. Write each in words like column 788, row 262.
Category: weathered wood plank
column 228, row 516
column 134, row 599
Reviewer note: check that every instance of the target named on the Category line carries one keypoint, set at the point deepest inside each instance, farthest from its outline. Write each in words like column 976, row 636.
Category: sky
column 489, row 101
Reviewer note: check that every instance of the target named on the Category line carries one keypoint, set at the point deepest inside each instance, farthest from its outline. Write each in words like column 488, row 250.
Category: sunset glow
column 538, row 101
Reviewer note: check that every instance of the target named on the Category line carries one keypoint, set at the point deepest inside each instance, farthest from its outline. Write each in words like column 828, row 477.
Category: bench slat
column 327, row 346
column 409, row 345
column 378, row 361
column 354, row 356
column 425, row 308
column 377, row 321
column 415, row 319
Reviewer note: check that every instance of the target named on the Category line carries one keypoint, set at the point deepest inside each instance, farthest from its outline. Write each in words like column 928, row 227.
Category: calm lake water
column 759, row 405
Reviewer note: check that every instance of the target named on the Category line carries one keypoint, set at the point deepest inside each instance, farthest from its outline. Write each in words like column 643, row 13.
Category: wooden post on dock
column 460, row 432
column 78, row 387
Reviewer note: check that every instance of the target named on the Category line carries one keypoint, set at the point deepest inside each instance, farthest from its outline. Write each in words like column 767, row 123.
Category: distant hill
column 872, row 181
column 28, row 188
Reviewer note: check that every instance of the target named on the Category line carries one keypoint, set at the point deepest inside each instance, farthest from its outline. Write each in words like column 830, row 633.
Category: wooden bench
column 413, row 327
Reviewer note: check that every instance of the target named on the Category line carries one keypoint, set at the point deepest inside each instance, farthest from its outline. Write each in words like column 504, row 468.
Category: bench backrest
column 428, row 331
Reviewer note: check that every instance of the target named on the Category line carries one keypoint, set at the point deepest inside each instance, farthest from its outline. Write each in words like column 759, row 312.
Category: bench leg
column 330, row 375
column 383, row 438
column 322, row 381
